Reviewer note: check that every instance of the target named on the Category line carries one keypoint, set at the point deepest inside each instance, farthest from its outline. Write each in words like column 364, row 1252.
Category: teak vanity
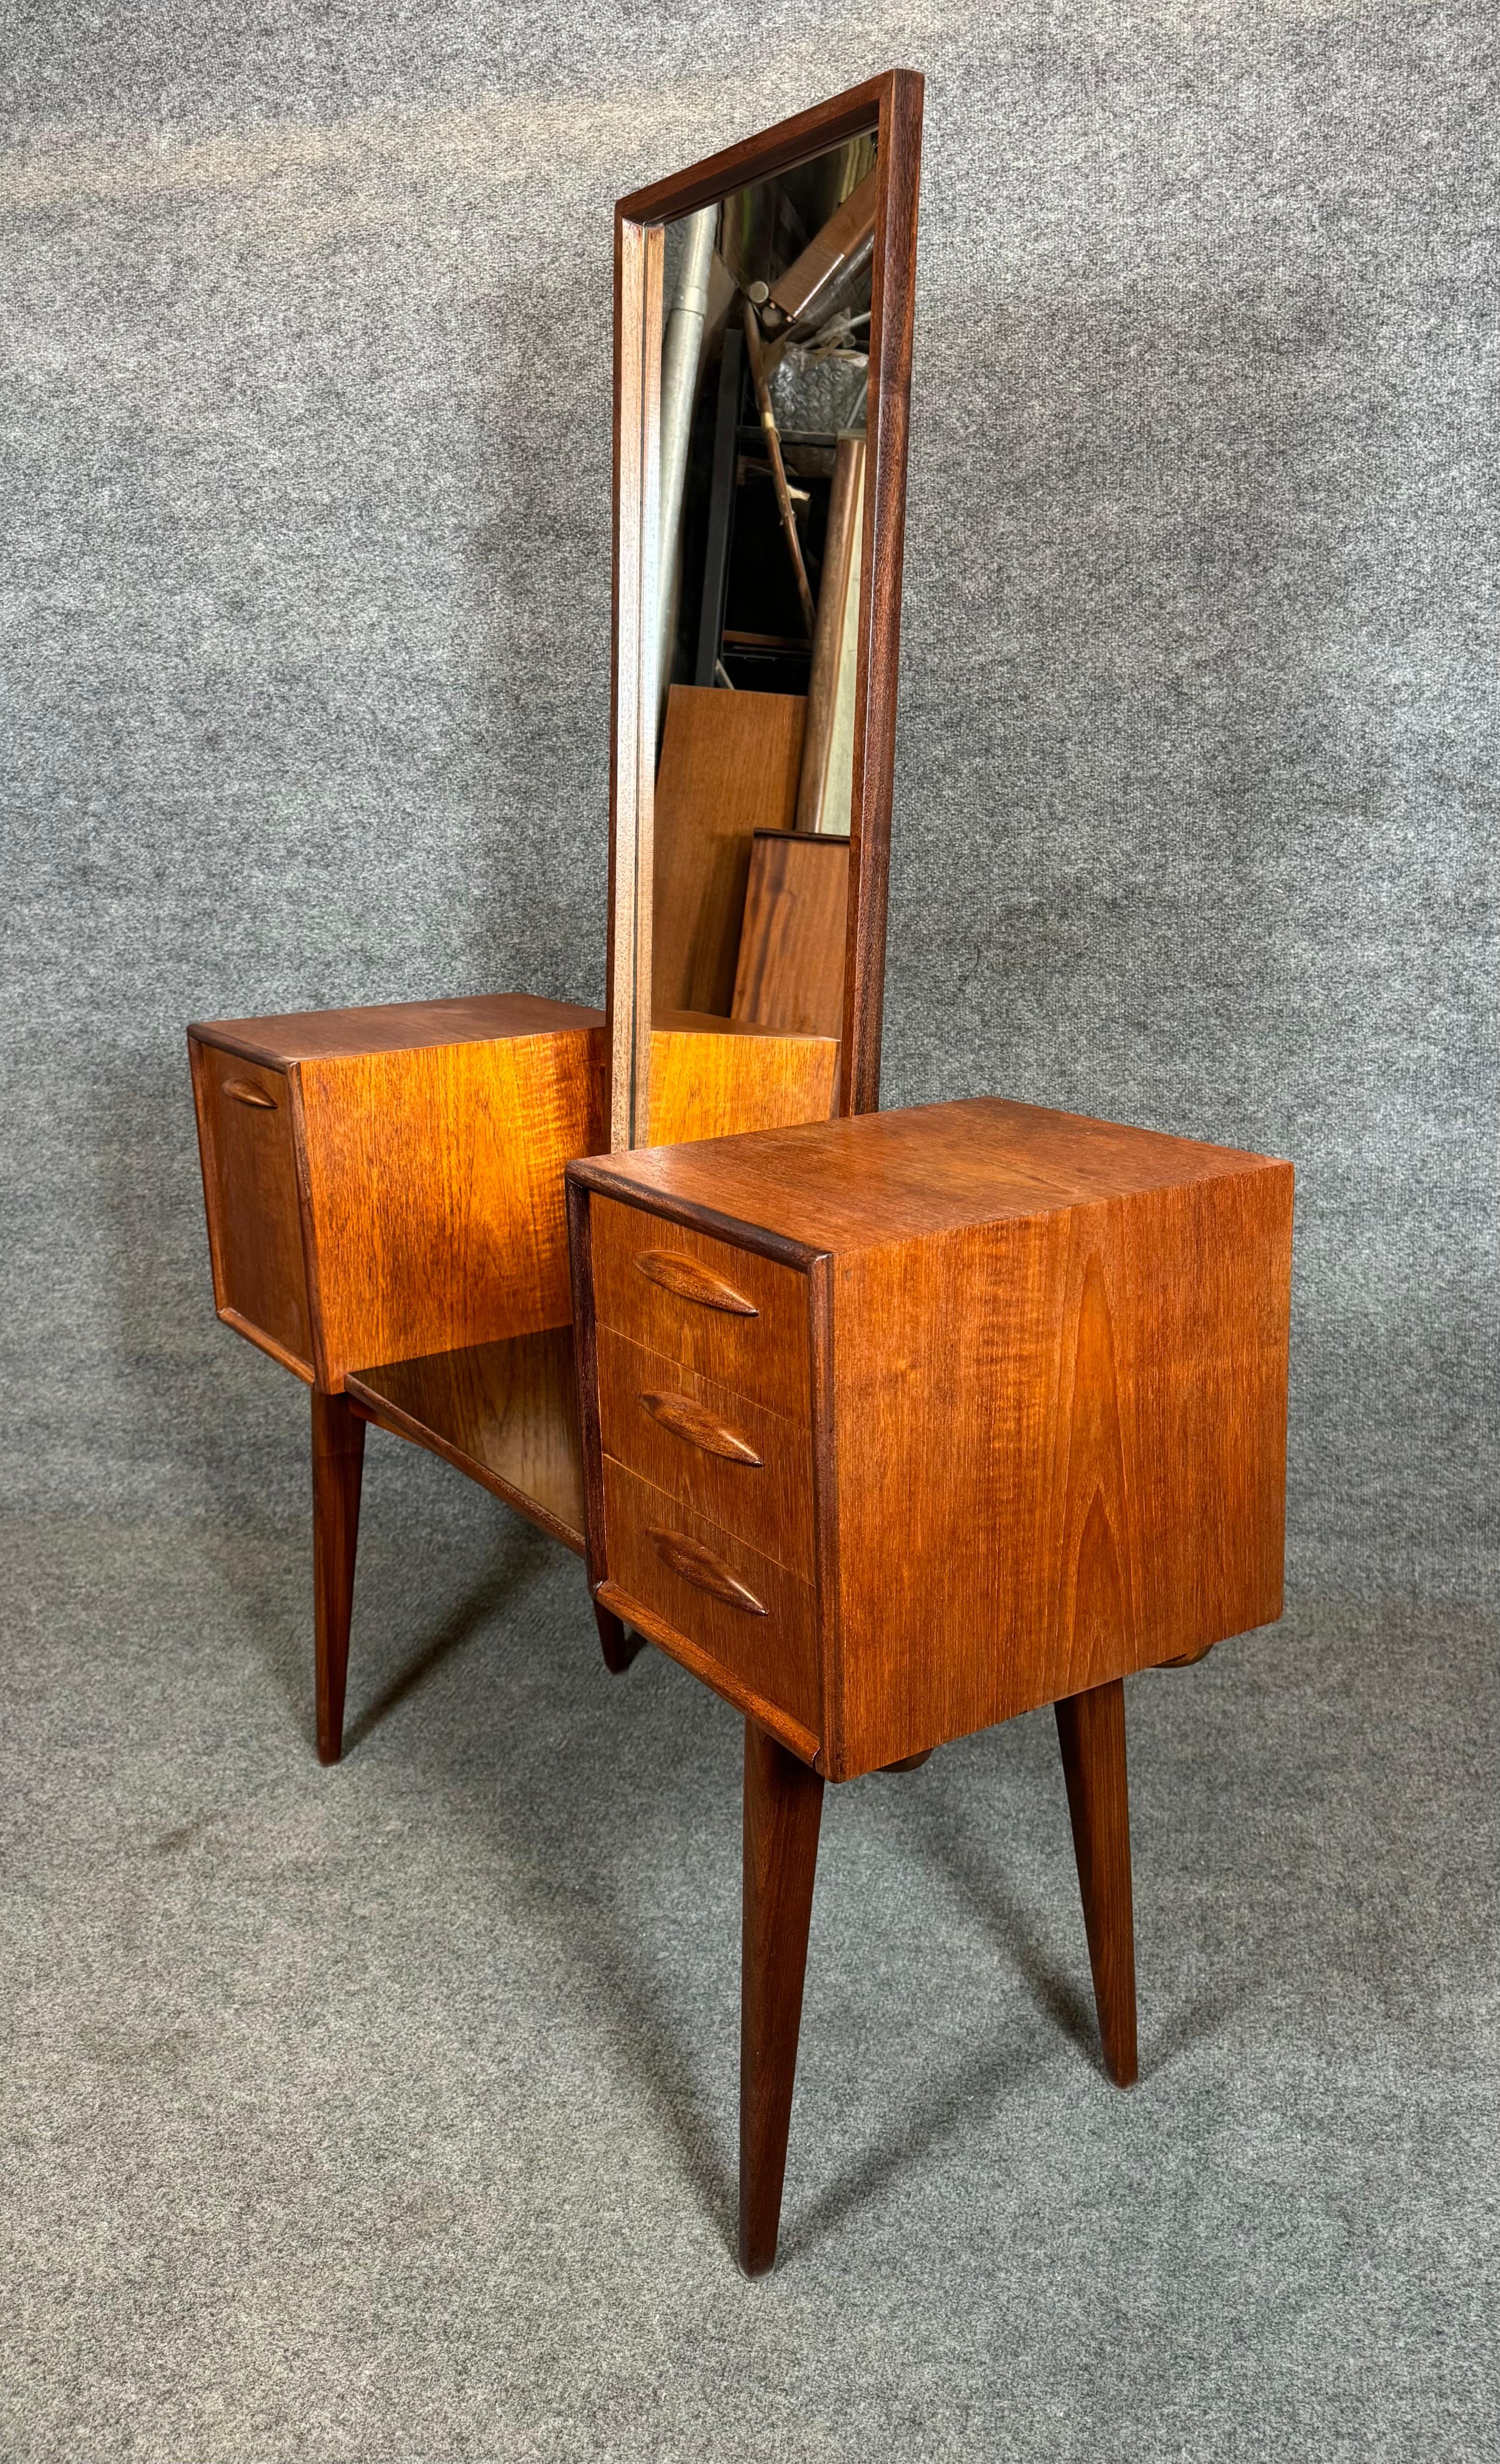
column 888, row 1426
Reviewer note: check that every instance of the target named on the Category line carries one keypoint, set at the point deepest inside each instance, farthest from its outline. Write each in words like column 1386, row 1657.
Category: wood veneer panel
column 435, row 1192
column 730, row 766
column 772, row 1653
column 790, row 974
column 1104, row 1390
column 717, row 1077
column 506, row 1413
column 889, row 1176
column 746, row 1469
column 763, row 1356
column 392, row 1026
column 247, row 1143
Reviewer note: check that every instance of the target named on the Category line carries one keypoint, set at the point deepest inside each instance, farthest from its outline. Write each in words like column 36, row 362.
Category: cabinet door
column 251, row 1192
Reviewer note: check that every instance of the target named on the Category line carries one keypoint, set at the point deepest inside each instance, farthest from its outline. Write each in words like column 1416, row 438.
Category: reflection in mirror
column 764, row 381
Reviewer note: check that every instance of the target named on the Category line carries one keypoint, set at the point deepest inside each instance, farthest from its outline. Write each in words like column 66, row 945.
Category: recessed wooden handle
column 243, row 1091
column 691, row 1282
column 689, row 1419
column 699, row 1566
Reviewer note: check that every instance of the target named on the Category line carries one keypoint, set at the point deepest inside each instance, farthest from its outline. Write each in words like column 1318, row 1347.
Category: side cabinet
column 386, row 1184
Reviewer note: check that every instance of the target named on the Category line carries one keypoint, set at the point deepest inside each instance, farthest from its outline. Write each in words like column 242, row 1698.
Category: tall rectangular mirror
column 762, row 350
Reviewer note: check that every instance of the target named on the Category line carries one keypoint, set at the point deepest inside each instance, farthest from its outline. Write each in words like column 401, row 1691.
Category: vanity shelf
column 505, row 1414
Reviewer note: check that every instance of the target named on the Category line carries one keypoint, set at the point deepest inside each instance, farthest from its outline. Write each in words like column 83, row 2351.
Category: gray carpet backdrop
column 331, row 2139
column 306, row 455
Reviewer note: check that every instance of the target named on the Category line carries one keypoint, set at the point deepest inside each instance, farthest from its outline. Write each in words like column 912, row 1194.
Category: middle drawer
column 746, row 1469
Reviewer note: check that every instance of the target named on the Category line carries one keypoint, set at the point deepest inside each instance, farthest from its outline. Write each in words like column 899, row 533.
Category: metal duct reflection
column 681, row 354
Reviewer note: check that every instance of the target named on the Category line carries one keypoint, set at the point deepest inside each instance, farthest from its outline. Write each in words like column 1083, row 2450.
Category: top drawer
column 729, row 1314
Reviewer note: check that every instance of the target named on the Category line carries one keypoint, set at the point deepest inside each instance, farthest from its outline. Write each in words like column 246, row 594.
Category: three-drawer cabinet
column 903, row 1425
column 895, row 1427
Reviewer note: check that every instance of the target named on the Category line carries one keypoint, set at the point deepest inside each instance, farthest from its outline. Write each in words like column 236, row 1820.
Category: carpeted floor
column 388, row 2113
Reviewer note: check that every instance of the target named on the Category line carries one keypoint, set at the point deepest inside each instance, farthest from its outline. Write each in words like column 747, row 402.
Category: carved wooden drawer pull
column 691, row 1282
column 699, row 1566
column 689, row 1419
column 243, row 1091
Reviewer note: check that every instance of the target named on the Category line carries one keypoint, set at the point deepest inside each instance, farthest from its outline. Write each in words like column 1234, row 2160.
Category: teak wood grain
column 434, row 1186
column 505, row 1414
column 791, row 970
column 393, row 1026
column 690, row 1418
column 730, row 767
column 750, row 1470
column 760, row 1353
column 402, row 1197
column 384, row 1186
column 899, row 1175
column 1049, row 1392
column 714, row 1078
column 688, row 1280
column 764, row 1642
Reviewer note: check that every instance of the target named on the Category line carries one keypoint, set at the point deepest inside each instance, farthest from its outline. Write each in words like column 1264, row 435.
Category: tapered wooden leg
column 338, row 1464
column 620, row 1643
column 1091, row 1730
column 783, row 1808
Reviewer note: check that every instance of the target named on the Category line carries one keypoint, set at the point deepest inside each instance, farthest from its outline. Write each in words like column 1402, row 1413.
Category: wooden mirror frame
column 891, row 106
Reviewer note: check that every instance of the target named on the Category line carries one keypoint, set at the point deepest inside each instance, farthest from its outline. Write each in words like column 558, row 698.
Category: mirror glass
column 764, row 360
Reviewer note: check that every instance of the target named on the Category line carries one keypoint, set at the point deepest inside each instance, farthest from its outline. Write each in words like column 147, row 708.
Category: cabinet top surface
column 881, row 1178
column 394, row 1027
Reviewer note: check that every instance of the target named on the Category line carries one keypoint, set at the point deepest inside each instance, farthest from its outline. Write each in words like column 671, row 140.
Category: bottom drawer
column 758, row 1622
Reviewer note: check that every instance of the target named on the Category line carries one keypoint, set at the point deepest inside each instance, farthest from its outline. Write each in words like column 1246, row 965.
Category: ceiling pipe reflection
column 681, row 354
